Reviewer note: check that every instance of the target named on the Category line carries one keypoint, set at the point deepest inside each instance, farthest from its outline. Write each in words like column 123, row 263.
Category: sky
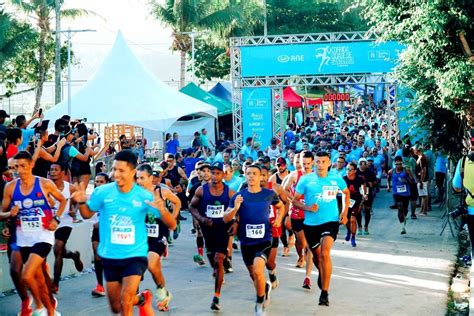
column 147, row 37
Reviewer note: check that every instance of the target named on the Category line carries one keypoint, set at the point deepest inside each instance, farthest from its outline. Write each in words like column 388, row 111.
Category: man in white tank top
column 62, row 233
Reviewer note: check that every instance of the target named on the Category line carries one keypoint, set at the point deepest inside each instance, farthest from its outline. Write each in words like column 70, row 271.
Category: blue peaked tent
column 222, row 90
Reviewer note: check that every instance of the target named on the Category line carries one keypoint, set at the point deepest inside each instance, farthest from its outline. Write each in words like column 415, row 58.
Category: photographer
column 464, row 179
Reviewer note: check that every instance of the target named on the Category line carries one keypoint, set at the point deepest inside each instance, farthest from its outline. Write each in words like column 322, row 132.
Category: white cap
column 362, row 160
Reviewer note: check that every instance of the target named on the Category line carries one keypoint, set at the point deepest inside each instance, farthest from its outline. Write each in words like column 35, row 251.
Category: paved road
column 386, row 274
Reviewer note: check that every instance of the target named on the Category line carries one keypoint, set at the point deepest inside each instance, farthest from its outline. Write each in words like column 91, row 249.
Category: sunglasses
column 350, row 169
column 398, row 164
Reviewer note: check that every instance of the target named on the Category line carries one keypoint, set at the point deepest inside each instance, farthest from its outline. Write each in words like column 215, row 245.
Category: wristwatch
column 57, row 219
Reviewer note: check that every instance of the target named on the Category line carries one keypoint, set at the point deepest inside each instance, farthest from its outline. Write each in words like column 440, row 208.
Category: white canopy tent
column 123, row 91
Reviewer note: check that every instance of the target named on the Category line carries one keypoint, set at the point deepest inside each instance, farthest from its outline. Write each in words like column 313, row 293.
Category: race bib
column 401, row 188
column 351, row 203
column 330, row 192
column 215, row 211
column 123, row 235
column 255, row 231
column 30, row 223
column 152, row 230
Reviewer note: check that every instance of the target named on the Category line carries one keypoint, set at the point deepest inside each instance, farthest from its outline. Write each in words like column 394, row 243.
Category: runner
column 356, row 185
column 157, row 233
column 282, row 173
column 63, row 232
column 208, row 206
column 369, row 179
column 100, row 179
column 276, row 231
column 305, row 255
column 398, row 183
column 123, row 246
column 251, row 207
column 35, row 225
column 322, row 218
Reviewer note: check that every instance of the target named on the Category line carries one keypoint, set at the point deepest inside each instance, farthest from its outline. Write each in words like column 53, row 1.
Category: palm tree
column 42, row 12
column 185, row 16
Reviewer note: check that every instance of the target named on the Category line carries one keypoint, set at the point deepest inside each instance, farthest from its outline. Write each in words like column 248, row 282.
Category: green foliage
column 434, row 64
column 211, row 61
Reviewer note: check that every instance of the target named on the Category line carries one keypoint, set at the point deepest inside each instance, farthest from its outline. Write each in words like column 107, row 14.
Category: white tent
column 123, row 91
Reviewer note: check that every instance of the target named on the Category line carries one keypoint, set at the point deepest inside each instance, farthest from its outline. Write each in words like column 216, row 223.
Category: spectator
column 3, row 115
column 27, row 133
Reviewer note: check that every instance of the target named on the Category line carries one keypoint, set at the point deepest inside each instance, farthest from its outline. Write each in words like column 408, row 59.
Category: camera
column 458, row 211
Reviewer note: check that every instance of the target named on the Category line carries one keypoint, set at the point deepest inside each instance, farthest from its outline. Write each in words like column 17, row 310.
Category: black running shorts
column 404, row 200
column 297, row 225
column 117, row 269
column 41, row 249
column 157, row 245
column 63, row 233
column 216, row 238
column 250, row 252
column 314, row 234
column 95, row 234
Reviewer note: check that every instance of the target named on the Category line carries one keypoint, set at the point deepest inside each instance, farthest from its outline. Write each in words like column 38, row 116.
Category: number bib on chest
column 401, row 188
column 123, row 235
column 152, row 230
column 30, row 223
column 330, row 192
column 215, row 211
column 255, row 231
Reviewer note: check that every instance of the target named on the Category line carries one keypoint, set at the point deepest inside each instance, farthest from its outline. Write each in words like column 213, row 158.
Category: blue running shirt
column 122, row 226
column 322, row 191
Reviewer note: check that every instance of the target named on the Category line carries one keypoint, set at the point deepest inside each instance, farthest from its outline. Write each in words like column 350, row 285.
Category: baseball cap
column 370, row 158
column 341, row 148
column 362, row 160
column 157, row 170
column 217, row 165
column 281, row 161
column 3, row 113
column 362, row 132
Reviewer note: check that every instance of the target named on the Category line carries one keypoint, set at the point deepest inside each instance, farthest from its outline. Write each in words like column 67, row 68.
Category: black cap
column 43, row 127
column 3, row 114
column 217, row 165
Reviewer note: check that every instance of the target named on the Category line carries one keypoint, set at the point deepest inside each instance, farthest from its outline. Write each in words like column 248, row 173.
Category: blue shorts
column 117, row 269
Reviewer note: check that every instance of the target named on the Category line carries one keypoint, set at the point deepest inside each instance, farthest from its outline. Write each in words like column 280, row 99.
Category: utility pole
column 57, row 54
column 69, row 34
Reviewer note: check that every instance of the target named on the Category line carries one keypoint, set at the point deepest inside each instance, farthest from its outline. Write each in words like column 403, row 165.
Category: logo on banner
column 339, row 56
column 293, row 58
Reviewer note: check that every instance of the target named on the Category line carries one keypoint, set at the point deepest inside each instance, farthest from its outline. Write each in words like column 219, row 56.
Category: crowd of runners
column 325, row 172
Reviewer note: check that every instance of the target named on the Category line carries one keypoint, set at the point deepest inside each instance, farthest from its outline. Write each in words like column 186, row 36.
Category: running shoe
column 98, row 291
column 366, row 231
column 300, row 263
column 413, row 216
column 259, row 309
column 146, row 308
column 215, row 306
column 286, row 252
column 77, row 261
column 193, row 231
column 182, row 218
column 55, row 289
column 274, row 280
column 324, row 299
column 40, row 312
column 26, row 307
column 177, row 231
column 163, row 299
column 393, row 207
column 268, row 289
column 228, row 266
column 353, row 241
column 404, row 231
column 348, row 236
column 307, row 283
column 199, row 260
column 235, row 246
column 170, row 240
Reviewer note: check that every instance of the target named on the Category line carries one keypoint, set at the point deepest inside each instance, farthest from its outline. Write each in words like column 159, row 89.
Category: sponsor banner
column 257, row 115
column 319, row 58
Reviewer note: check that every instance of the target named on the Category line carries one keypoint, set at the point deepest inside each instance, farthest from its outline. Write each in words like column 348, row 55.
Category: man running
column 369, row 179
column 123, row 245
column 35, row 226
column 157, row 233
column 208, row 206
column 251, row 207
column 398, row 183
column 355, row 183
column 321, row 223
column 62, row 233
column 297, row 215
column 276, row 231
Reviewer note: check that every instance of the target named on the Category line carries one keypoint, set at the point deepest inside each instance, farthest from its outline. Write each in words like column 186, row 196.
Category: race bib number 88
column 255, row 231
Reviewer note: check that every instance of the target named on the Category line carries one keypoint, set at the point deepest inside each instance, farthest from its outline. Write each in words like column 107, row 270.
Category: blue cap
column 217, row 165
